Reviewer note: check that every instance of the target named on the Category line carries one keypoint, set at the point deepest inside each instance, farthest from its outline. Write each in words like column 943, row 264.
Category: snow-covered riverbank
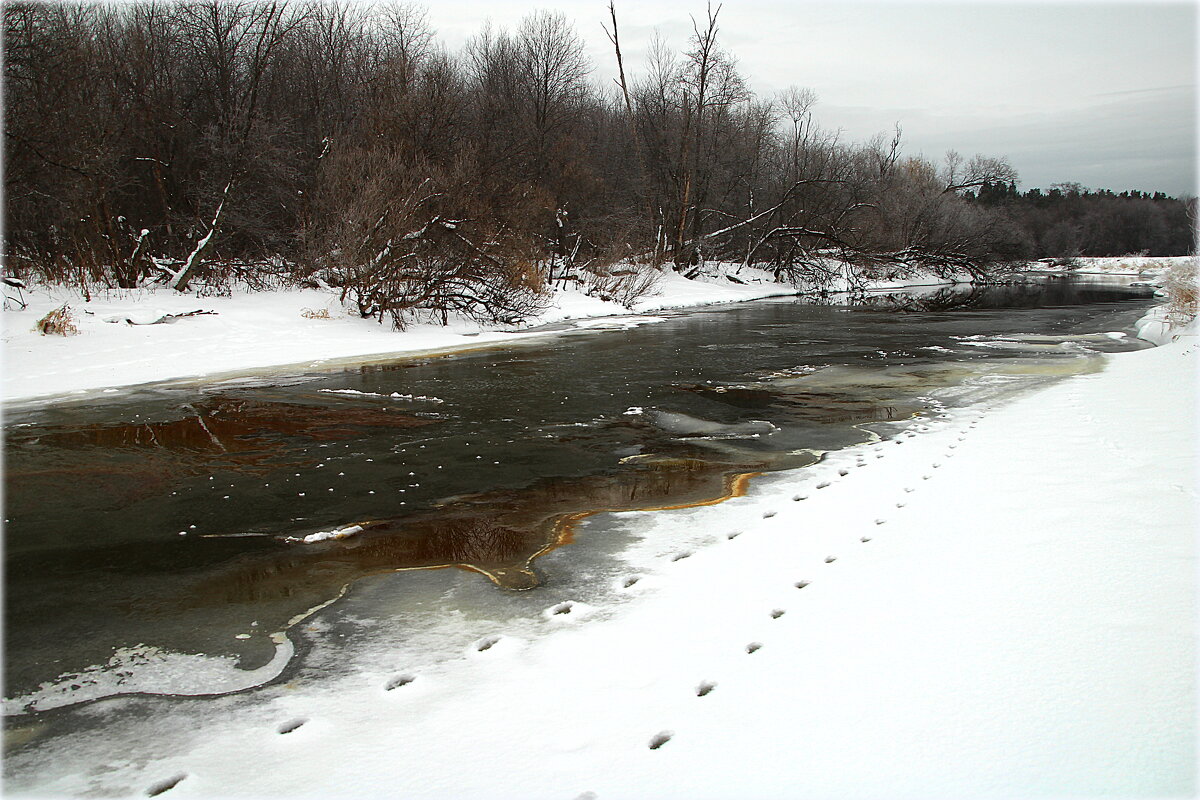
column 996, row 603
column 118, row 345
column 136, row 336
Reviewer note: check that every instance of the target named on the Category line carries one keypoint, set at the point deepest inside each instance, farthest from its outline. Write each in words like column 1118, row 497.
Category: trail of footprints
column 705, row 687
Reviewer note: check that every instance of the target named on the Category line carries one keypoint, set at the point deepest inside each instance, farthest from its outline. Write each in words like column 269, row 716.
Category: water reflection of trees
column 948, row 298
column 227, row 425
column 496, row 533
column 988, row 296
column 124, row 463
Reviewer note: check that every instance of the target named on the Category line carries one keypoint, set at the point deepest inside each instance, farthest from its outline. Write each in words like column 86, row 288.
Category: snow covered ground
column 998, row 602
column 1147, row 268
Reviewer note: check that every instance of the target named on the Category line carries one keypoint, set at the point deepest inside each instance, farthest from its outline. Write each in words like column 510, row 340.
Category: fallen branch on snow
column 167, row 319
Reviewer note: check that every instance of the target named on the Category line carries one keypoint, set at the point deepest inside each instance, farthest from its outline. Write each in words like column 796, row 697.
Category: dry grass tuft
column 1182, row 293
column 59, row 322
column 319, row 313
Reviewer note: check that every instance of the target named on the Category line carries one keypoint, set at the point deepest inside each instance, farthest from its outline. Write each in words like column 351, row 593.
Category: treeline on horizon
column 1071, row 220
column 339, row 143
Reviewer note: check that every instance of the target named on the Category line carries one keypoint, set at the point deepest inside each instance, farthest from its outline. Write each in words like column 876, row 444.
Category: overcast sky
column 1103, row 94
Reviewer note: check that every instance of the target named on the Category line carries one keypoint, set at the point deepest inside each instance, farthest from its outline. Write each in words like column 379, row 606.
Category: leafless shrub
column 625, row 284
column 58, row 322
column 417, row 241
column 1070, row 262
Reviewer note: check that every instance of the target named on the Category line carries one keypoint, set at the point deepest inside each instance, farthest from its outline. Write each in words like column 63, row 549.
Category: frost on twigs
column 59, row 322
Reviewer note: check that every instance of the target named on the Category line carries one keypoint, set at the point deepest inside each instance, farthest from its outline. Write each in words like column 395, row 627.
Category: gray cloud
column 1144, row 140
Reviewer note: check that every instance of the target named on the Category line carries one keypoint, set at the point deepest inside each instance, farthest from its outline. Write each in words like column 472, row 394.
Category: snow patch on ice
column 617, row 322
column 145, row 669
column 324, row 536
column 688, row 426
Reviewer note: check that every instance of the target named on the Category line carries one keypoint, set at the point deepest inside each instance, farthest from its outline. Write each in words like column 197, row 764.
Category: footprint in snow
column 777, row 613
column 901, row 505
column 753, row 647
column 880, row 521
column 632, row 579
column 908, row 489
column 486, row 643
column 733, row 535
column 843, row 472
column 561, row 608
column 396, row 681
column 660, row 738
column 800, row 584
column 823, row 484
column 705, row 687
column 798, row 497
column 292, row 725
column 926, row 477
column 830, row 559
column 680, row 556
column 768, row 514
column 165, row 785
column 865, row 539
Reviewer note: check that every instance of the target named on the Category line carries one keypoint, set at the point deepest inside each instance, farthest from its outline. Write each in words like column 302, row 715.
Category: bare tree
column 708, row 83
column 552, row 72
column 406, row 240
column 980, row 169
column 232, row 45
